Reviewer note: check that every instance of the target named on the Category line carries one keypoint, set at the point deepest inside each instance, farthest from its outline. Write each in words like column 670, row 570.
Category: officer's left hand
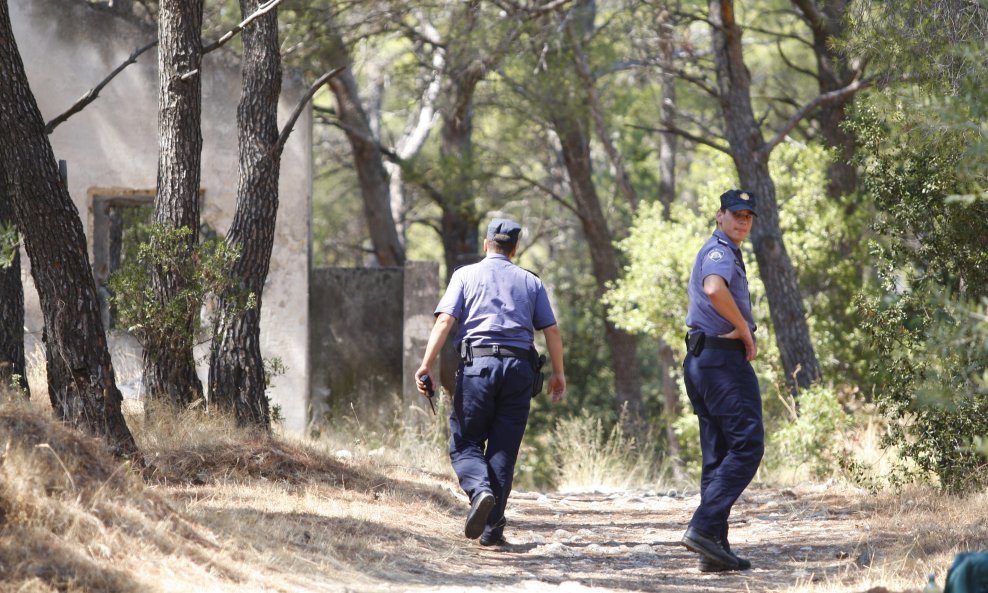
column 750, row 347
column 557, row 387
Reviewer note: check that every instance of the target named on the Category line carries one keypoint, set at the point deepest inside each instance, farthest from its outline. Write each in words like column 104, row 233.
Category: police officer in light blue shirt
column 720, row 381
column 499, row 307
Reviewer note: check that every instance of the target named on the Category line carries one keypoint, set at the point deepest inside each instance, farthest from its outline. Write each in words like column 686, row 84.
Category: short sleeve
column 543, row 317
column 718, row 261
column 452, row 301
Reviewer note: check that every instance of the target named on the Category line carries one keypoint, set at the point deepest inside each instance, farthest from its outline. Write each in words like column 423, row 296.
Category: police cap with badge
column 737, row 200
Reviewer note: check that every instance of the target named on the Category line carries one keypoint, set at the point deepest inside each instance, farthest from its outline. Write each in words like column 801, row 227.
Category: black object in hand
column 430, row 392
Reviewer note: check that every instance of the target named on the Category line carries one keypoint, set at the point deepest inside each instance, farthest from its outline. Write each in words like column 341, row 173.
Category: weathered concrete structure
column 111, row 151
column 369, row 328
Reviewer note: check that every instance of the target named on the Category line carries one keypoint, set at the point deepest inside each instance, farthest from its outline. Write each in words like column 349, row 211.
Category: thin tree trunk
column 575, row 143
column 169, row 364
column 667, row 195
column 12, row 365
column 82, row 386
column 582, row 64
column 827, row 25
column 371, row 174
column 236, row 370
column 745, row 138
column 667, row 111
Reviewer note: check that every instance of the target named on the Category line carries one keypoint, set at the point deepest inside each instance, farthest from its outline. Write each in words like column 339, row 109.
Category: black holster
column 537, row 363
column 695, row 342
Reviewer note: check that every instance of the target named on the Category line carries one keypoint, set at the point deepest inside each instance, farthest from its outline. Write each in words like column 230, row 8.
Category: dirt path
column 630, row 542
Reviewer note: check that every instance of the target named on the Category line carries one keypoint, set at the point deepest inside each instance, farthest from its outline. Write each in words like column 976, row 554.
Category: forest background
column 608, row 129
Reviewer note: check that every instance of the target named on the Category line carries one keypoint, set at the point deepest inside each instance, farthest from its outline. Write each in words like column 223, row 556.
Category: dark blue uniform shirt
column 496, row 302
column 720, row 256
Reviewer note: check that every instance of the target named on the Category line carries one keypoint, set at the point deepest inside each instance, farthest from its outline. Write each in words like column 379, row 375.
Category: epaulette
column 723, row 242
column 530, row 272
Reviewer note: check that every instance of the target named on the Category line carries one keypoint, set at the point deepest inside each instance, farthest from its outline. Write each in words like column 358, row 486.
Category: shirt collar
column 495, row 255
column 725, row 239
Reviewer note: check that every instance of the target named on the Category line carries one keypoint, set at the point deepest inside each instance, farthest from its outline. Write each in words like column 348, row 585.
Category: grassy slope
column 214, row 509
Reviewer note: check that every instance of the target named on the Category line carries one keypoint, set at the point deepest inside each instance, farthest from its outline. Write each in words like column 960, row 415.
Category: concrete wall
column 111, row 149
column 369, row 331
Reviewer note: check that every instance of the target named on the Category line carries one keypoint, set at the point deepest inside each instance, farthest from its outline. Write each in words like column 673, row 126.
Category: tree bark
column 236, row 370
column 82, row 386
column 827, row 23
column 12, row 364
column 751, row 161
column 667, row 111
column 169, row 364
column 373, row 177
column 575, row 141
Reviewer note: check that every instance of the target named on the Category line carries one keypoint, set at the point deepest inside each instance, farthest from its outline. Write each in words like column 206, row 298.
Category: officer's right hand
column 557, row 387
column 424, row 371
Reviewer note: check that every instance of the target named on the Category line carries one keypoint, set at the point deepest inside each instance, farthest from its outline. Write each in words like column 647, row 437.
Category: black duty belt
column 723, row 343
column 496, row 350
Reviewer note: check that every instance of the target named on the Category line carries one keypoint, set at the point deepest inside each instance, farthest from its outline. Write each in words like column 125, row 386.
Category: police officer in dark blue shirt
column 499, row 306
column 720, row 382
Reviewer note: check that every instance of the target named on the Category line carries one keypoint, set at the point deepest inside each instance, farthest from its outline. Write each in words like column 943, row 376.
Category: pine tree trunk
column 12, row 366
column 169, row 364
column 667, row 140
column 81, row 380
column 236, row 370
column 373, row 177
column 745, row 138
column 459, row 222
column 827, row 24
column 624, row 350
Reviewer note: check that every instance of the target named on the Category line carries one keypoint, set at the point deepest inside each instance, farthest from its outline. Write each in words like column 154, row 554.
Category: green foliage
column 9, row 244
column 826, row 240
column 814, row 438
column 204, row 271
column 933, row 265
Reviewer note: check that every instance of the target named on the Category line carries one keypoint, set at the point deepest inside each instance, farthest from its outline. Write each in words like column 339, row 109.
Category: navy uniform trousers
column 490, row 411
column 723, row 390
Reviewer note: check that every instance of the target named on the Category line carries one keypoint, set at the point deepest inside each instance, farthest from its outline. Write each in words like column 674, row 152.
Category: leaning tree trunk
column 574, row 139
column 373, row 177
column 751, row 160
column 169, row 364
column 567, row 115
column 667, row 111
column 236, row 370
column 667, row 195
column 12, row 367
column 83, row 391
column 459, row 222
column 827, row 23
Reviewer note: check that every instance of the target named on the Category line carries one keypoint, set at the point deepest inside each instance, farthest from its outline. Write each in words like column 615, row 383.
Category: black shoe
column 494, row 541
column 708, row 566
column 480, row 507
column 711, row 550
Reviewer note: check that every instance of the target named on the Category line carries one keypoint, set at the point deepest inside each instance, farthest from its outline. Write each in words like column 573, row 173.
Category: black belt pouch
column 694, row 342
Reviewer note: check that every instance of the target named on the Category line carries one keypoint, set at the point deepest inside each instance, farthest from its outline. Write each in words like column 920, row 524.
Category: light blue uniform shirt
column 720, row 256
column 496, row 302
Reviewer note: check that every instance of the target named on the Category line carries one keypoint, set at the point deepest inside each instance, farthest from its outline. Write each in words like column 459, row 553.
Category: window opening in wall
column 120, row 225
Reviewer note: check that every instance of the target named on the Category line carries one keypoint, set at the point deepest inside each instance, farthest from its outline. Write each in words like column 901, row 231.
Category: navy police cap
column 503, row 231
column 736, row 200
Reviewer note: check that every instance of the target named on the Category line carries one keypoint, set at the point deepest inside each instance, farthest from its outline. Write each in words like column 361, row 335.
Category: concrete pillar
column 421, row 294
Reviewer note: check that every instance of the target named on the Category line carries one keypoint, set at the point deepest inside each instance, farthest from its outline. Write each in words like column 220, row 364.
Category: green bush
column 203, row 272
column 814, row 438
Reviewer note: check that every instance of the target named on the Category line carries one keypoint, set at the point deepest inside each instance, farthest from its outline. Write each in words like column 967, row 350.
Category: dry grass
column 218, row 509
